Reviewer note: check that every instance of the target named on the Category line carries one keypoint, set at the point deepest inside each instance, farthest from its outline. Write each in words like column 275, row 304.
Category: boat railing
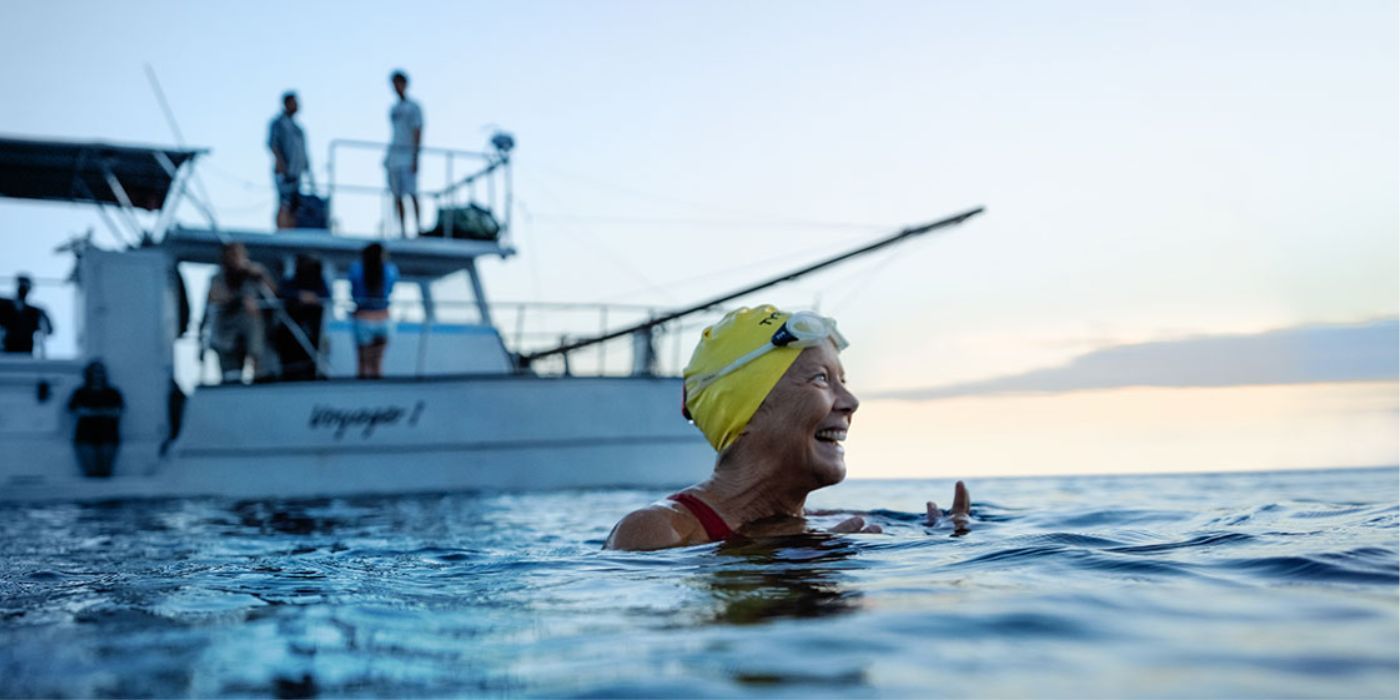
column 434, row 327
column 661, row 350
column 449, row 177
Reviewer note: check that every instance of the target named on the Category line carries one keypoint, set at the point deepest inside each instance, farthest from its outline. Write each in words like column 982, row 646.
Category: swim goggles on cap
column 803, row 329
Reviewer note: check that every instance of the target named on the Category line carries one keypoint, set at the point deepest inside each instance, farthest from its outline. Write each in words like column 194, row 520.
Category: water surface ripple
column 1259, row 585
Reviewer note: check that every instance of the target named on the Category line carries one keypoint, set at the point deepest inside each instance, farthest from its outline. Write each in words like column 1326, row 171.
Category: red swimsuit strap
column 714, row 525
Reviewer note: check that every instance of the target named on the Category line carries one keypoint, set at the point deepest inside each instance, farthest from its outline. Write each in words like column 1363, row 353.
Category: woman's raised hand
column 856, row 523
column 959, row 514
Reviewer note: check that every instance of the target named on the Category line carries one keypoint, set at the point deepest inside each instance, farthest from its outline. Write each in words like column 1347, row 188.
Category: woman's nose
column 845, row 400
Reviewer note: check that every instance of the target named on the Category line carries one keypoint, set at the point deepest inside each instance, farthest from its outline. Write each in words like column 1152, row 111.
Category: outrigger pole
column 524, row 360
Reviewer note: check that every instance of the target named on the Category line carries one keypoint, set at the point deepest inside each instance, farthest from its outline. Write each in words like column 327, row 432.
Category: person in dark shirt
column 303, row 296
column 21, row 320
column 98, row 407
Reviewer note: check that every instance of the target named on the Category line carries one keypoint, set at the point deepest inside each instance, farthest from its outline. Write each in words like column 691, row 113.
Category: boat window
column 406, row 301
column 340, row 292
column 453, row 299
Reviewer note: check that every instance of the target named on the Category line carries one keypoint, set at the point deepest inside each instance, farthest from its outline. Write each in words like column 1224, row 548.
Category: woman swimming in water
column 767, row 389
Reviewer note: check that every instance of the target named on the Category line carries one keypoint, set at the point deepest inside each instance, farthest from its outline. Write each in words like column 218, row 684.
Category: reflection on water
column 1258, row 585
column 799, row 576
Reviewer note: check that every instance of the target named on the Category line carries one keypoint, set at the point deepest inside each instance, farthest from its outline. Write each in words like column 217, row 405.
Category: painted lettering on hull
column 365, row 419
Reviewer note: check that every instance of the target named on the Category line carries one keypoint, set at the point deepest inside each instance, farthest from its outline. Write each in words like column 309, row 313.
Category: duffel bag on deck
column 472, row 222
column 311, row 211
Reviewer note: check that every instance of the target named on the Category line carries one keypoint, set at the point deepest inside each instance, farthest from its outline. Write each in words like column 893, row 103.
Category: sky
column 1190, row 258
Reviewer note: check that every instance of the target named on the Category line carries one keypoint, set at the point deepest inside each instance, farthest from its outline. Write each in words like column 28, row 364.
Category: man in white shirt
column 401, row 162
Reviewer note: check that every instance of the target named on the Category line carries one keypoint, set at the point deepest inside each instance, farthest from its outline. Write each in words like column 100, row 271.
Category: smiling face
column 804, row 419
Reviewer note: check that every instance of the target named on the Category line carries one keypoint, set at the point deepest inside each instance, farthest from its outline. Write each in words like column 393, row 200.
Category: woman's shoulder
column 656, row 526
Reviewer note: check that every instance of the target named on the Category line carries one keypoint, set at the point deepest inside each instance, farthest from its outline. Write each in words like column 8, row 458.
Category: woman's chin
column 829, row 472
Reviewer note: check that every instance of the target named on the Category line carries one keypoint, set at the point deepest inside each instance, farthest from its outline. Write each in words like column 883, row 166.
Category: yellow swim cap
column 740, row 359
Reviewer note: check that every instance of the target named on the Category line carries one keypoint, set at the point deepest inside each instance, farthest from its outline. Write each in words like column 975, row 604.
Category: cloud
column 1300, row 355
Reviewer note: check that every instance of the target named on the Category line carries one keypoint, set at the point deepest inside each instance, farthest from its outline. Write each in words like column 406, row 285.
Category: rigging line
column 261, row 204
column 615, row 257
column 900, row 236
column 608, row 251
column 764, row 218
column 675, row 221
column 736, row 270
column 165, row 106
column 533, row 260
column 179, row 138
column 858, row 271
column 863, row 282
column 231, row 177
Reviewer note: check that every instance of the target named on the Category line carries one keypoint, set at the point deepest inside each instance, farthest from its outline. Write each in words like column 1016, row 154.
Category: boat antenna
column 180, row 141
column 165, row 106
column 902, row 235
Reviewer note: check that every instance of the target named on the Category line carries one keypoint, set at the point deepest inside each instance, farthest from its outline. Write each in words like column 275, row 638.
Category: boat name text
column 366, row 418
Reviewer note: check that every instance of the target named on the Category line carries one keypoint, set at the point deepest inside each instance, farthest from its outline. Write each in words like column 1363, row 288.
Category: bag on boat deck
column 311, row 211
column 473, row 222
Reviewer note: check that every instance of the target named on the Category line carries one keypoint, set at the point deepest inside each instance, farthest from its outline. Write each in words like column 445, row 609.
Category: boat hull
column 346, row 437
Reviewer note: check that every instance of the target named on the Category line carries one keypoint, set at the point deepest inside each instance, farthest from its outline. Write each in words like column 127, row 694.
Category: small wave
column 1376, row 558
column 1072, row 539
column 1336, row 511
column 1013, row 554
column 1305, row 568
column 1238, row 519
column 1121, row 516
column 1093, row 561
column 1200, row 541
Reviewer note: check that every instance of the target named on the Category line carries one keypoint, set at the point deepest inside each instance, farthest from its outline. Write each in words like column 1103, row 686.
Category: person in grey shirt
column 288, row 145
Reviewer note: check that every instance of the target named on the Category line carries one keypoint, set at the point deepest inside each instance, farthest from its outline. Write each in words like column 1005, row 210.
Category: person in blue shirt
column 372, row 280
column 287, row 142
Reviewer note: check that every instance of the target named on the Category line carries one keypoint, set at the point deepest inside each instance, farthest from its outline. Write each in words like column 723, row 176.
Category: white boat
column 458, row 409
column 454, row 411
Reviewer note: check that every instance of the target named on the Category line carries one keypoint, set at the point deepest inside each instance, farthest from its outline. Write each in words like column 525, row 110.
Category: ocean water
column 1243, row 585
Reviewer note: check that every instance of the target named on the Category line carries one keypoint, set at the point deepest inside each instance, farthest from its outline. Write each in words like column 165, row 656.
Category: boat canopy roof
column 95, row 172
column 415, row 257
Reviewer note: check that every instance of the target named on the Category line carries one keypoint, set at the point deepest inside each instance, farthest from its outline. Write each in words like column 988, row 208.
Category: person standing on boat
column 235, row 301
column 401, row 160
column 767, row 389
column 20, row 320
column 372, row 279
column 97, row 406
column 287, row 142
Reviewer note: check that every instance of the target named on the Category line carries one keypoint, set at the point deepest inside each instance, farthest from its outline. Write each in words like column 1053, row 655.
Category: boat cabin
column 473, row 412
